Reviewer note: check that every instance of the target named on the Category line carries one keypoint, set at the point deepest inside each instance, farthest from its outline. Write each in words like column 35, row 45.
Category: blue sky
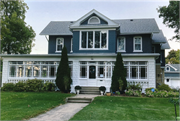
column 41, row 12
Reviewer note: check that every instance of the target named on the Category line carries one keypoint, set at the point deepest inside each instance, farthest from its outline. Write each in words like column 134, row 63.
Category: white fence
column 17, row 80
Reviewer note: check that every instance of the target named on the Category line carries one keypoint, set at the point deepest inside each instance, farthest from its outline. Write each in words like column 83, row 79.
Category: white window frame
column 134, row 44
column 107, row 38
column 57, row 43
column 124, row 45
column 167, row 67
column 92, row 18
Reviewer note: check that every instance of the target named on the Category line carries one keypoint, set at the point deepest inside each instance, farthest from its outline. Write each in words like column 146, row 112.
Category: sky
column 41, row 12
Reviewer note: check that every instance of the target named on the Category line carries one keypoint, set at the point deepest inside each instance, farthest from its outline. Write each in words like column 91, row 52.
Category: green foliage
column 120, row 81
column 131, row 92
column 170, row 15
column 164, row 87
column 119, row 72
column 8, row 87
column 102, row 88
column 16, row 35
column 20, row 87
column 34, row 85
column 77, row 87
column 134, row 86
column 49, row 86
column 173, row 57
column 162, row 94
column 149, row 89
column 63, row 71
column 66, row 82
column 118, row 93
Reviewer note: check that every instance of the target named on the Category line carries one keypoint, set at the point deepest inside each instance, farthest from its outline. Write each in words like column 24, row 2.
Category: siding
column 111, row 43
column 52, row 44
column 85, row 22
column 172, row 75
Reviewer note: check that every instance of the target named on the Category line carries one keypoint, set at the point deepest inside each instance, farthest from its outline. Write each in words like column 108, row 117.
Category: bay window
column 93, row 39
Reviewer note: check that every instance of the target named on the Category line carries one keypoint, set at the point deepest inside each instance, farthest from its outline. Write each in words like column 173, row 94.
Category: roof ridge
column 133, row 19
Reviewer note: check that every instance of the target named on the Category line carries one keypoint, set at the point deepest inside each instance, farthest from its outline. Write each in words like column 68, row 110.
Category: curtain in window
column 90, row 39
column 97, row 39
column 120, row 43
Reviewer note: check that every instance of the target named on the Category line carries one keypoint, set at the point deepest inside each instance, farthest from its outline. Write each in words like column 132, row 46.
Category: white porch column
column 5, row 72
column 75, row 78
column 152, row 73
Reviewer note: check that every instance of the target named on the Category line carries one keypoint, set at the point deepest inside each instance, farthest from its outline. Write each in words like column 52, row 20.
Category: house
column 172, row 75
column 93, row 42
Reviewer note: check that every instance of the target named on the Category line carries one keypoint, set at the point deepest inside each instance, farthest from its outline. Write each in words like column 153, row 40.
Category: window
column 101, row 71
column 93, row 39
column 167, row 80
column 138, row 44
column 12, row 72
column 83, row 71
column 121, row 44
column 44, row 71
column 94, row 20
column 59, row 44
column 167, row 69
column 52, row 71
column 36, row 70
column 28, row 71
column 20, row 69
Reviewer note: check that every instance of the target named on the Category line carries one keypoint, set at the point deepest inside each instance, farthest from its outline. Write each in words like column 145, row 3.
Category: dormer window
column 59, row 44
column 94, row 20
column 138, row 44
column 167, row 69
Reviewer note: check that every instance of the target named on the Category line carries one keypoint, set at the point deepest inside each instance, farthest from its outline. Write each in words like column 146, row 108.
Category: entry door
column 92, row 72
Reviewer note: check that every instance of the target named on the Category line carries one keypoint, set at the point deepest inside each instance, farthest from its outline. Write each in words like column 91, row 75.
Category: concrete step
column 96, row 93
column 79, row 100
column 90, row 90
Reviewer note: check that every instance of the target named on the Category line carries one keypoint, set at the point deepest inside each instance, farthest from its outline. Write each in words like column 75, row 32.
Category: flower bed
column 162, row 94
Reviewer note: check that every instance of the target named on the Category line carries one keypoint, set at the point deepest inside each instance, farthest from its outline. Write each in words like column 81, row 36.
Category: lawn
column 127, row 108
column 24, row 105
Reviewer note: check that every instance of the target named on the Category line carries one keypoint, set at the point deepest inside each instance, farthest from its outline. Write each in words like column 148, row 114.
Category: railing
column 17, row 80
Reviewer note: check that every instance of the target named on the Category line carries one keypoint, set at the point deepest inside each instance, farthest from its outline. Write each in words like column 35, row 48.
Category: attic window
column 94, row 20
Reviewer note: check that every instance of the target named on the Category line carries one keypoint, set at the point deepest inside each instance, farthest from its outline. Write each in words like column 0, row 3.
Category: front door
column 92, row 72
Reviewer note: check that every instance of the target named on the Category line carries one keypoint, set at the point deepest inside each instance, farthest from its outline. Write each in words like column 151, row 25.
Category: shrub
column 161, row 94
column 102, row 88
column 34, row 85
column 149, row 89
column 129, row 92
column 175, row 90
column 164, row 87
column 134, row 87
column 8, row 87
column 77, row 87
column 49, row 86
column 20, row 87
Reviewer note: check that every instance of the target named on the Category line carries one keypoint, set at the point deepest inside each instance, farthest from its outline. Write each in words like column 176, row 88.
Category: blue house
column 172, row 75
column 93, row 42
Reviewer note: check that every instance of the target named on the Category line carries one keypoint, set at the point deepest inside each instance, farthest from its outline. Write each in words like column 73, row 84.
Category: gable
column 169, row 68
column 84, row 21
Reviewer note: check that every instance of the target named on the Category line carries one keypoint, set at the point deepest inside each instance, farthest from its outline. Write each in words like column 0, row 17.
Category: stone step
column 79, row 100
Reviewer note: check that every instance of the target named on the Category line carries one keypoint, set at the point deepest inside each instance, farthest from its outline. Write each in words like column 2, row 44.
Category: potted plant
column 108, row 93
column 77, row 88
column 102, row 89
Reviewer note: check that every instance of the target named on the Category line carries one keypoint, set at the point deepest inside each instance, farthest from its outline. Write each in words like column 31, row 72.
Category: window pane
column 59, row 47
column 44, row 71
column 103, row 39
column 70, row 69
column 121, row 43
column 83, row 71
column 134, row 72
column 101, row 71
column 134, row 63
column 20, row 62
column 52, row 71
column 143, row 72
column 137, row 47
column 83, row 41
column 90, row 39
column 97, row 39
column 36, row 71
column 142, row 63
column 108, row 72
column 12, row 72
column 20, row 69
column 127, row 71
column 28, row 71
column 137, row 40
column 83, row 62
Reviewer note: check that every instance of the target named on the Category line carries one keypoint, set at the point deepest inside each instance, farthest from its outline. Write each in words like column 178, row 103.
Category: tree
column 170, row 15
column 119, row 72
column 16, row 35
column 63, row 78
column 173, row 57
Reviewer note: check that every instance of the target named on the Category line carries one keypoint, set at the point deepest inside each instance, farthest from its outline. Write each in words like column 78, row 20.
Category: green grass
column 127, row 108
column 24, row 105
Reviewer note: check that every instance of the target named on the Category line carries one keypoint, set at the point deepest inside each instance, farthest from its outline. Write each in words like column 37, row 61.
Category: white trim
column 95, row 18
column 167, row 67
column 124, row 45
column 93, row 48
column 171, row 66
column 60, row 44
column 71, row 45
column 134, row 44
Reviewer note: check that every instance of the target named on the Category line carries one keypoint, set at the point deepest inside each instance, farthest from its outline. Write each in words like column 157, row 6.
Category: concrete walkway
column 63, row 112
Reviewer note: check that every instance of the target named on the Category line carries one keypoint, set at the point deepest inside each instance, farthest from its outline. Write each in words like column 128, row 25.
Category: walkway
column 63, row 112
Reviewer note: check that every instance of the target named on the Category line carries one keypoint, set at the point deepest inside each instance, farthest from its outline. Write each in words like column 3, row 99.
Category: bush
column 162, row 94
column 34, row 85
column 49, row 86
column 164, row 87
column 20, row 87
column 8, row 87
column 102, row 88
column 149, row 89
column 134, row 87
column 77, row 87
column 175, row 90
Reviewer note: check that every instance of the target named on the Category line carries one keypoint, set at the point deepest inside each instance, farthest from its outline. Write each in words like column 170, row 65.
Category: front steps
column 78, row 100
column 90, row 90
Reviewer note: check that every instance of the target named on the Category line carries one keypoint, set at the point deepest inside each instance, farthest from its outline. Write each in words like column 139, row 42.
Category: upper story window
column 59, row 44
column 94, row 39
column 94, row 20
column 121, row 44
column 138, row 44
column 167, row 69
